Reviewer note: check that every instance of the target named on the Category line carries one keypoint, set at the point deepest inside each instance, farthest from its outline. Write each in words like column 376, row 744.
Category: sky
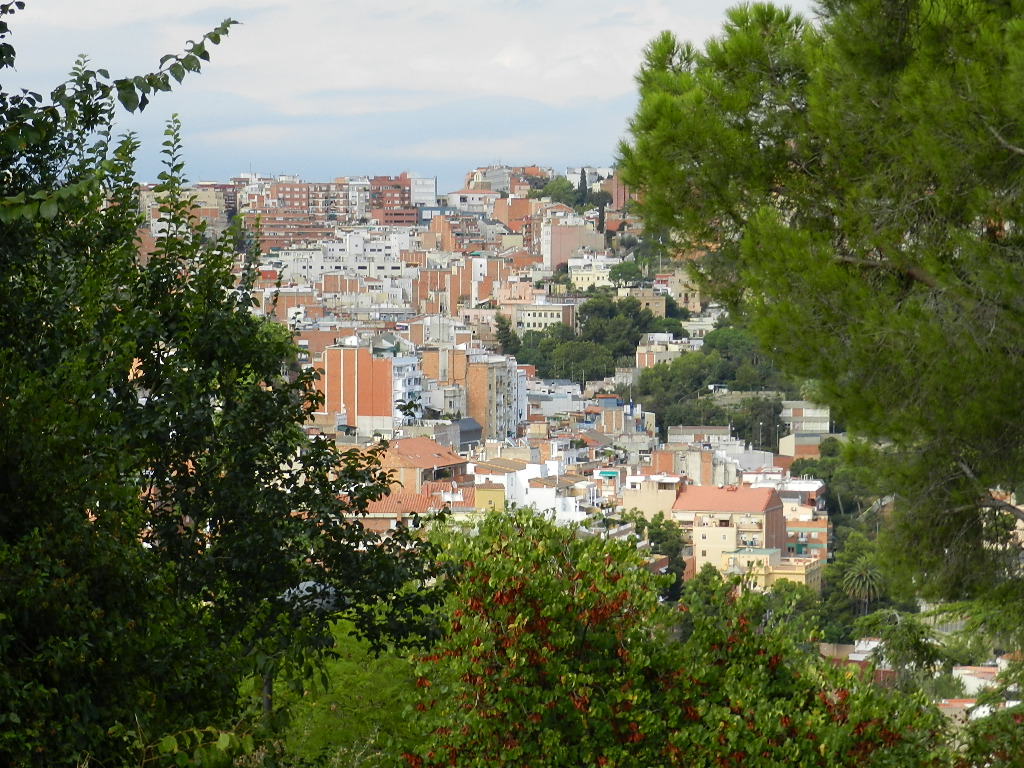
column 328, row 88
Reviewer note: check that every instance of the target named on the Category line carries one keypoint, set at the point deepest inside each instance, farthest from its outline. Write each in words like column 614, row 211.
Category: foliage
column 609, row 330
column 859, row 182
column 582, row 361
column 678, row 392
column 906, row 644
column 863, row 582
column 559, row 189
column 626, row 272
column 619, row 324
column 994, row 741
column 167, row 530
column 358, row 719
column 507, row 338
column 854, row 583
column 558, row 653
column 665, row 537
column 853, row 473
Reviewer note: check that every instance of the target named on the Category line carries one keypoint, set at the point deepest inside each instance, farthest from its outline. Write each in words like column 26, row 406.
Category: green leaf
column 127, row 95
column 49, row 208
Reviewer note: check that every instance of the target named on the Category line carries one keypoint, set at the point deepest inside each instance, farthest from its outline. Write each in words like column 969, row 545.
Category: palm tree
column 864, row 582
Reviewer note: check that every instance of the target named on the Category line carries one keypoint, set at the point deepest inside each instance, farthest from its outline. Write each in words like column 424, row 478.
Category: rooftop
column 709, row 498
column 419, row 452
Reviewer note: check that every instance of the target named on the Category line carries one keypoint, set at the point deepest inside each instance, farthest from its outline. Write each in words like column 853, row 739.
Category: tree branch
column 991, row 502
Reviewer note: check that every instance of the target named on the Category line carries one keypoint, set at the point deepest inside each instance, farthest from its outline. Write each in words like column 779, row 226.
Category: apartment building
column 477, row 201
column 365, row 383
column 418, row 461
column 539, row 315
column 563, row 234
column 495, row 387
column 742, row 530
column 591, row 269
column 802, row 416
column 651, row 494
column 681, row 286
column 649, row 299
column 657, row 348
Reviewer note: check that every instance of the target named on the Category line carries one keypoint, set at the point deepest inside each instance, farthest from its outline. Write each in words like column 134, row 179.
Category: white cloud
column 290, row 65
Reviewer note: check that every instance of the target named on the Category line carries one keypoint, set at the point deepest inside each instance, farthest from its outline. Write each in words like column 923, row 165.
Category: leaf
column 167, row 745
column 127, row 95
column 48, row 208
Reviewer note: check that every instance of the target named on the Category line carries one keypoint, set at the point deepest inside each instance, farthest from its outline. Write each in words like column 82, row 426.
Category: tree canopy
column 557, row 652
column 167, row 530
column 859, row 181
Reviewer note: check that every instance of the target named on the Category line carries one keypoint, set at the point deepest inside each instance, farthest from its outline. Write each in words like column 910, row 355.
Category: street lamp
column 759, row 425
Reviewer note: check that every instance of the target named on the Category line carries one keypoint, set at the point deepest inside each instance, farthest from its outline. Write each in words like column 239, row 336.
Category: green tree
column 674, row 311
column 559, row 189
column 559, row 653
column 582, row 361
column 538, row 348
column 859, row 182
column 359, row 718
column 626, row 272
column 863, row 582
column 507, row 338
column 167, row 531
column 582, row 190
column 757, row 421
column 601, row 200
column 666, row 538
column 907, row 645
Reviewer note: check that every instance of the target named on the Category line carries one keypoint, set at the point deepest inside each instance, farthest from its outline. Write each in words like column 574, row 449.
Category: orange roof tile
column 400, row 504
column 420, row 453
column 709, row 498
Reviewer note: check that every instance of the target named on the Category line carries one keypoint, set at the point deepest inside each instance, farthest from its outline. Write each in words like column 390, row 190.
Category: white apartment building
column 591, row 269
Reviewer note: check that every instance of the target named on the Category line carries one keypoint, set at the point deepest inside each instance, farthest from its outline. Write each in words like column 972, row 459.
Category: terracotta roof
column 419, row 452
column 710, row 498
column 446, row 492
column 400, row 504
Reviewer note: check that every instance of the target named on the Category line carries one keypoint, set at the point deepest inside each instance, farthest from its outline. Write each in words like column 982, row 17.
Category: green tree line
column 172, row 545
column 858, row 181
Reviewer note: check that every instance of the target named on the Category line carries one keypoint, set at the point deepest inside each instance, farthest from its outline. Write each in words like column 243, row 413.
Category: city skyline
column 321, row 90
